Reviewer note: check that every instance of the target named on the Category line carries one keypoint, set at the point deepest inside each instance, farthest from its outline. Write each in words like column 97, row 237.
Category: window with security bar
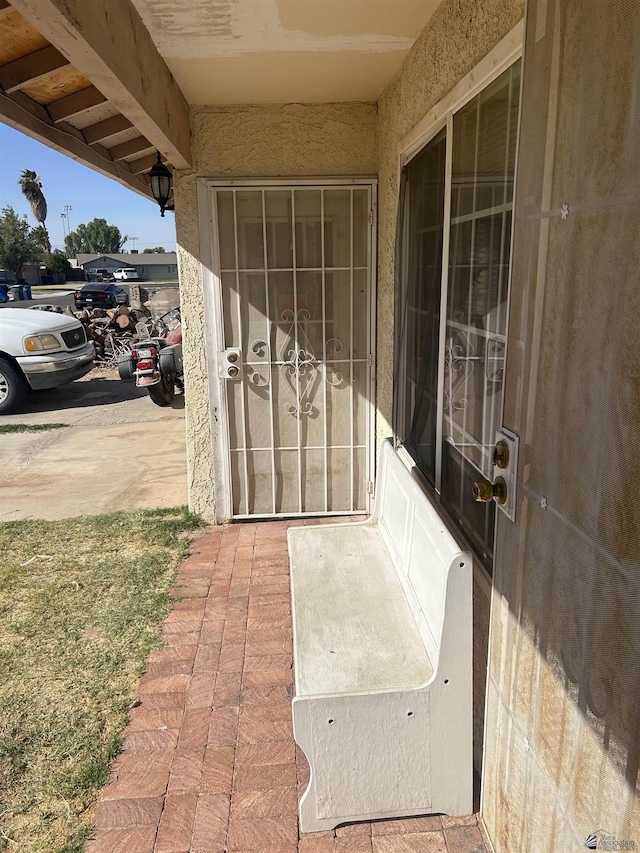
column 452, row 298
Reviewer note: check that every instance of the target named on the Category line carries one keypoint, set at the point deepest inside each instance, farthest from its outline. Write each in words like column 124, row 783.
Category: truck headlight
column 37, row 343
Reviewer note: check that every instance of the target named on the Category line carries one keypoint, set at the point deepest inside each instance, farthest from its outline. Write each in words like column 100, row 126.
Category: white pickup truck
column 38, row 350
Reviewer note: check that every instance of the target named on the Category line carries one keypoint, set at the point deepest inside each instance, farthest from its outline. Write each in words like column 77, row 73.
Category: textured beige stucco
column 244, row 142
column 197, row 409
column 291, row 141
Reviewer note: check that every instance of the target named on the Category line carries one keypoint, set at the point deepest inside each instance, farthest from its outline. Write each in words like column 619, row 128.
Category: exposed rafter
column 71, row 105
column 110, row 45
column 143, row 164
column 128, row 149
column 19, row 73
column 107, row 127
column 24, row 114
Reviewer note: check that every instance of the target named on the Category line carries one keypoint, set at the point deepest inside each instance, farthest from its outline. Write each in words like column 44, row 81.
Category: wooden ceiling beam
column 138, row 167
column 30, row 68
column 25, row 115
column 129, row 148
column 71, row 105
column 109, row 44
column 102, row 130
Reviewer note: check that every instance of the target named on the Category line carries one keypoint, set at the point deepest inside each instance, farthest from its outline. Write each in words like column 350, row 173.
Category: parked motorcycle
column 156, row 361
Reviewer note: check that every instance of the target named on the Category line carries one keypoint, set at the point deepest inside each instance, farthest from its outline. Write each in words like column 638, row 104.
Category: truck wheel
column 163, row 393
column 12, row 387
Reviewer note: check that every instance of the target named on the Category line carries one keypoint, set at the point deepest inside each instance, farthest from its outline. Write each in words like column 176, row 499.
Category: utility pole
column 133, row 240
column 65, row 220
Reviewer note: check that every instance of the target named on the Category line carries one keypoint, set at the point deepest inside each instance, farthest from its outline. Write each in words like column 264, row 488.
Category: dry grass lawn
column 30, row 427
column 81, row 601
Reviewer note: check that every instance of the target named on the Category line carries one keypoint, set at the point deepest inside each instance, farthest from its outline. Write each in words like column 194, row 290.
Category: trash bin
column 20, row 291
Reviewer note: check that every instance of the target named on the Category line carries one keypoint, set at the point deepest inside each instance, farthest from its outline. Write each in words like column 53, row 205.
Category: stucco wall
column 294, row 140
column 290, row 140
column 197, row 410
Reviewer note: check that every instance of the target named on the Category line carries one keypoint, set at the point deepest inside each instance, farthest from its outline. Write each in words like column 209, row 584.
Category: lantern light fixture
column 161, row 180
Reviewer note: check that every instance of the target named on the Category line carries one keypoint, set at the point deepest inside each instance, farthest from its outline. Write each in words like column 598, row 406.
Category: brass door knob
column 500, row 455
column 483, row 491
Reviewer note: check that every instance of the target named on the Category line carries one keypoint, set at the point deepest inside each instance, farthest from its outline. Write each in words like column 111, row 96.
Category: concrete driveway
column 119, row 451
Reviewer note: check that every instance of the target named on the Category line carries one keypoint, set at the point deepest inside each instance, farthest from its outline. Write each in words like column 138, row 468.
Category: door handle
column 484, row 491
column 504, row 463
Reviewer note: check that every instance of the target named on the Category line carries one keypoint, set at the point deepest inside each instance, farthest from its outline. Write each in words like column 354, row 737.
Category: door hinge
column 370, row 360
column 371, row 217
column 370, row 487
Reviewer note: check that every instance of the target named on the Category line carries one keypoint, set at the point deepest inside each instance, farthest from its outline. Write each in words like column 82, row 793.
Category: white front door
column 296, row 296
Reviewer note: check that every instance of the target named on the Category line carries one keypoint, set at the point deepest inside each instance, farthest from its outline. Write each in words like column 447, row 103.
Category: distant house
column 150, row 267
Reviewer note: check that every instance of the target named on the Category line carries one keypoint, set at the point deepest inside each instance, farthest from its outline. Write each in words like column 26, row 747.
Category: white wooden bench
column 382, row 631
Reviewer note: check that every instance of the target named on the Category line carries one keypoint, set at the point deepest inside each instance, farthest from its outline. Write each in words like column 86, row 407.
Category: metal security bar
column 296, row 277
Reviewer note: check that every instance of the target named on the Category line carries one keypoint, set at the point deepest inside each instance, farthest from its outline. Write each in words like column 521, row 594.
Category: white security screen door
column 295, row 272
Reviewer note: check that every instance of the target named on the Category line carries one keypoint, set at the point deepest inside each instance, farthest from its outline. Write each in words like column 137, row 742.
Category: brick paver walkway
column 209, row 763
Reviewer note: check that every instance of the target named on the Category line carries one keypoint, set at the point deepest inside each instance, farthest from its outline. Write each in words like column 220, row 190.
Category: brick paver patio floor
column 209, row 763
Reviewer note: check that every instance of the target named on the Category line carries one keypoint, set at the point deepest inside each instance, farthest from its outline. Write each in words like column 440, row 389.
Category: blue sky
column 90, row 194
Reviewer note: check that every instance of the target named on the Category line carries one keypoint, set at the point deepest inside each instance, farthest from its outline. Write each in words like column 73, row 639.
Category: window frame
column 440, row 117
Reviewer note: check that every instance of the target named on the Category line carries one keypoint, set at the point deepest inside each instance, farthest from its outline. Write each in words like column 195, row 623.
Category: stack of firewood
column 113, row 331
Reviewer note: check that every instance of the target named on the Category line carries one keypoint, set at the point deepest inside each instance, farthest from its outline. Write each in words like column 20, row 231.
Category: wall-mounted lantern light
column 161, row 185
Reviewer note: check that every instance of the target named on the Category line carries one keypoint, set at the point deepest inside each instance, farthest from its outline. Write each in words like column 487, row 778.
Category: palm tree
column 32, row 191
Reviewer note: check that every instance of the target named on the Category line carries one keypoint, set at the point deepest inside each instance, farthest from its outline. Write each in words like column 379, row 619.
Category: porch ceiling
column 283, row 51
column 109, row 82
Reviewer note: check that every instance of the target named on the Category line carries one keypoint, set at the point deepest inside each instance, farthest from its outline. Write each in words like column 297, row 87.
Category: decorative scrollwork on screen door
column 299, row 365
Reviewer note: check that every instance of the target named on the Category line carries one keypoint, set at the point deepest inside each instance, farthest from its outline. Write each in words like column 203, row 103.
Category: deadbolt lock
column 230, row 363
column 484, row 492
column 500, row 455
column 503, row 470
